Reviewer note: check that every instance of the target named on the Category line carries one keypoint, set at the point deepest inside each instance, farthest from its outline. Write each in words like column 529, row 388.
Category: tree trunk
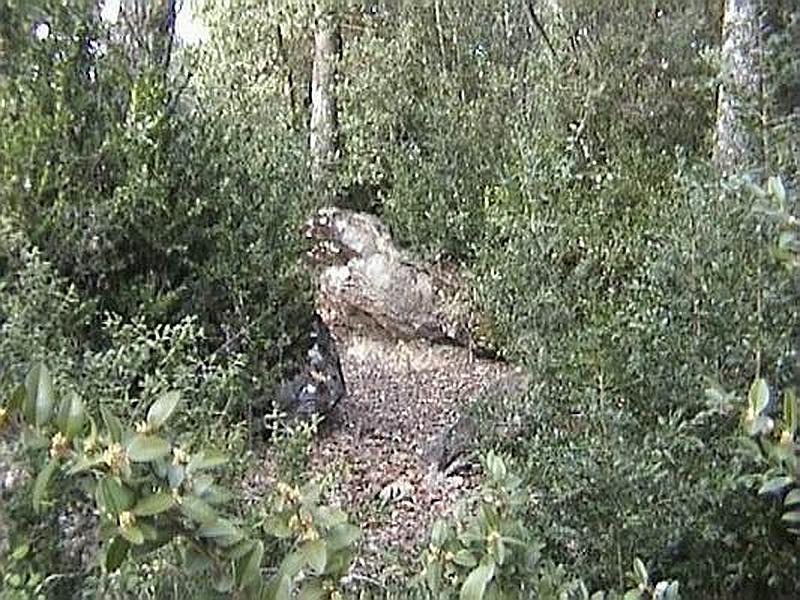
column 288, row 84
column 148, row 32
column 323, row 137
column 738, row 145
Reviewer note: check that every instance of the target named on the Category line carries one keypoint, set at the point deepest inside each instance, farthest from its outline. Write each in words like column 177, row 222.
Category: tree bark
column 289, row 85
column 323, row 137
column 148, row 32
column 738, row 144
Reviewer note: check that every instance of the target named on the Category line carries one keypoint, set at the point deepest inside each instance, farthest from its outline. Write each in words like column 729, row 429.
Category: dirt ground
column 400, row 397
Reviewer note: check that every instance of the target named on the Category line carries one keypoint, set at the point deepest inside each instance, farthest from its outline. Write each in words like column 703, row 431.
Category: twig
column 537, row 24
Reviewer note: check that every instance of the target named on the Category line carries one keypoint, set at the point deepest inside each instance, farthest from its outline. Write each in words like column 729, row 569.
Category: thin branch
column 537, row 24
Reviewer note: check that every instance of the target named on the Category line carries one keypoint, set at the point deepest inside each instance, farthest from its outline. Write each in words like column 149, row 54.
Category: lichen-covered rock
column 366, row 281
column 318, row 385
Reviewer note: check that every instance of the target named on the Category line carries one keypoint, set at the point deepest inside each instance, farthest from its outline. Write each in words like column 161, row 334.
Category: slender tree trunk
column 738, row 145
column 288, row 84
column 323, row 138
column 148, row 31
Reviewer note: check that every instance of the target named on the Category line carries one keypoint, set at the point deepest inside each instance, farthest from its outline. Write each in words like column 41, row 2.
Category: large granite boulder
column 318, row 384
column 365, row 280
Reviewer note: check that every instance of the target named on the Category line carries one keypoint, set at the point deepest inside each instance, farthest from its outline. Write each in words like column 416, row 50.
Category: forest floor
column 377, row 451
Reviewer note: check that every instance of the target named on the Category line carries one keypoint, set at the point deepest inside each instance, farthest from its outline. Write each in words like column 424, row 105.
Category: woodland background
column 596, row 171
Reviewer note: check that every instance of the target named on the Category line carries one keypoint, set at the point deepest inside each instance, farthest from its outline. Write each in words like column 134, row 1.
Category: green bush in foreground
column 149, row 492
column 492, row 555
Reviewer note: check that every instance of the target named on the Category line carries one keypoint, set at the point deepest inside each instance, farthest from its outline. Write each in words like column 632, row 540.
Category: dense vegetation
column 151, row 201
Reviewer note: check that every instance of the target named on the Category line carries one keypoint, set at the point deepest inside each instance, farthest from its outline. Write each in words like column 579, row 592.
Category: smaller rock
column 319, row 384
column 452, row 443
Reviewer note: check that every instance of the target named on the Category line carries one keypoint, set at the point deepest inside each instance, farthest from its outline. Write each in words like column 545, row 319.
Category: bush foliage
column 151, row 197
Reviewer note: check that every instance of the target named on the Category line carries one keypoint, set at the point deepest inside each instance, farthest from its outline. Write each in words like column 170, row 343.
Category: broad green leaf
column 222, row 531
column 161, row 410
column 792, row 497
column 433, row 577
column 154, row 504
column 758, row 397
column 39, row 385
column 465, row 559
column 342, row 536
column 790, row 410
column 639, row 571
column 316, row 555
column 133, row 534
column 146, row 448
column 475, row 585
column 500, row 551
column 292, row 564
column 116, row 551
column 205, row 459
column 195, row 562
column 237, row 551
column 201, row 484
column 175, row 474
column 312, row 590
column 439, row 533
column 279, row 587
column 216, row 495
column 197, row 510
column 250, row 565
column 496, row 466
column 113, row 424
column 791, row 517
column 777, row 190
column 775, row 485
column 277, row 527
column 310, row 494
column 17, row 399
column 41, row 483
column 112, row 497
column 71, row 415
column 223, row 583
column 33, row 439
column 150, row 533
column 85, row 463
column 20, row 552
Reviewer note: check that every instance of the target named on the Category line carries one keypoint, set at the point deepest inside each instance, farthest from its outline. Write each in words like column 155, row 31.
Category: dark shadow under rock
column 318, row 385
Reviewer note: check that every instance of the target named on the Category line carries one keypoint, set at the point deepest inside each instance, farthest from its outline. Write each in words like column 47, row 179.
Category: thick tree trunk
column 323, row 136
column 738, row 144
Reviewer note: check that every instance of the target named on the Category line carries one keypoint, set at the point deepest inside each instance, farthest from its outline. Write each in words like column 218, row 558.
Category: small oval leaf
column 475, row 585
column 162, row 409
column 197, row 510
column 316, row 555
column 758, row 398
column 251, row 565
column 40, row 485
column 791, row 518
column 792, row 497
column 775, row 485
column 39, row 385
column 133, row 534
column 154, row 504
column 116, row 551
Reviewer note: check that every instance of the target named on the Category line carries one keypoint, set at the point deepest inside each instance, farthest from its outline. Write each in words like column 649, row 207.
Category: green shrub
column 488, row 553
column 150, row 491
column 154, row 200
